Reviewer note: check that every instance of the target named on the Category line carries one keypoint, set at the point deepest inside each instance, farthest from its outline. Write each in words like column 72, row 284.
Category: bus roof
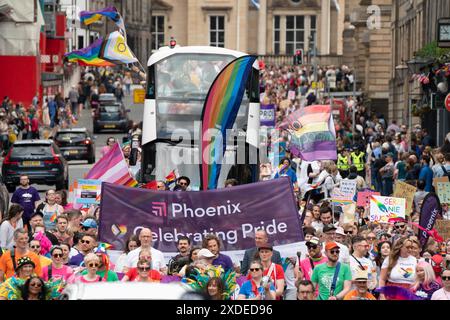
column 165, row 52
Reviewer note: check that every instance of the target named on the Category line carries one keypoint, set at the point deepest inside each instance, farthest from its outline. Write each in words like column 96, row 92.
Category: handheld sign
column 384, row 208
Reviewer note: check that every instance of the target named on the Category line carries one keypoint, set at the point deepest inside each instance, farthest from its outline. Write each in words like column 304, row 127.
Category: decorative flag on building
column 312, row 133
column 89, row 17
column 115, row 49
column 112, row 168
column 89, row 56
column 219, row 112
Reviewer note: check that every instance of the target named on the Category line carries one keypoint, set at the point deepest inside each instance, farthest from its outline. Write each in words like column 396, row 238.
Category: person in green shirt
column 323, row 275
column 104, row 267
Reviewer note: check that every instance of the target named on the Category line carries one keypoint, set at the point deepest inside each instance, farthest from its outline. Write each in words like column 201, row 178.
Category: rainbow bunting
column 89, row 56
column 89, row 17
column 313, row 135
column 219, row 112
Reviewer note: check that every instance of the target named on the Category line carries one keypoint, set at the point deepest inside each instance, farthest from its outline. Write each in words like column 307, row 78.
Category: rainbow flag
column 313, row 136
column 171, row 178
column 89, row 56
column 89, row 17
column 112, row 168
column 219, row 112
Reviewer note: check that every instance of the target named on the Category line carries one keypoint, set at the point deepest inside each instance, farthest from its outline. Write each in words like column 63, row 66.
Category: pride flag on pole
column 313, row 136
column 89, row 17
column 115, row 49
column 89, row 56
column 219, row 112
column 112, row 168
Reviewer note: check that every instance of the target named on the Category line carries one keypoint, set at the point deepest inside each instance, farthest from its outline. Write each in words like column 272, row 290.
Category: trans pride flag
column 312, row 133
column 89, row 56
column 112, row 168
column 219, row 112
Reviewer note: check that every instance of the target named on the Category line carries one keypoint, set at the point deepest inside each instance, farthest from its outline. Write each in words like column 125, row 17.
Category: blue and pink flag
column 313, row 136
column 219, row 112
column 89, row 17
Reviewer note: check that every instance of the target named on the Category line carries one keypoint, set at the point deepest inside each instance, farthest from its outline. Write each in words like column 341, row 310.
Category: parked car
column 129, row 291
column 111, row 116
column 76, row 144
column 40, row 160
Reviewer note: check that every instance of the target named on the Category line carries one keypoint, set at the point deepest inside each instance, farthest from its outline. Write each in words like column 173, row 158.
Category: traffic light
column 298, row 57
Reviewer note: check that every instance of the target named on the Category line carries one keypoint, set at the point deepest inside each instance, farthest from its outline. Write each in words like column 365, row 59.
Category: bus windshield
column 188, row 76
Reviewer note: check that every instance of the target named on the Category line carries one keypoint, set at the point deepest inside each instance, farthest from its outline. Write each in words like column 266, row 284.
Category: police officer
column 343, row 162
column 358, row 160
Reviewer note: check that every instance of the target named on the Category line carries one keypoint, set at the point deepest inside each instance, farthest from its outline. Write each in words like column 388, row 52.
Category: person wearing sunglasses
column 36, row 247
column 444, row 292
column 360, row 262
column 333, row 277
column 361, row 291
column 89, row 226
column 105, row 267
column 145, row 272
column 146, row 256
column 255, row 288
column 57, row 269
column 313, row 259
column 399, row 269
column 401, row 230
column 86, row 245
column 91, row 262
column 183, row 182
column 34, row 289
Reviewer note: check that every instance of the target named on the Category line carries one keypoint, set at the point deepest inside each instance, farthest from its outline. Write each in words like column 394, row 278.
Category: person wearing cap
column 25, row 268
column 274, row 271
column 212, row 243
column 359, row 161
column 329, row 232
column 387, row 176
column 89, row 226
column 204, row 260
column 9, row 260
column 343, row 162
column 313, row 259
column 37, row 221
column 261, row 239
column 359, row 261
column 333, row 277
column 361, row 291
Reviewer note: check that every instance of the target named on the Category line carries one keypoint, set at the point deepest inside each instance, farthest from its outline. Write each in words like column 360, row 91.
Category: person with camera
column 274, row 271
column 181, row 259
column 333, row 277
column 257, row 287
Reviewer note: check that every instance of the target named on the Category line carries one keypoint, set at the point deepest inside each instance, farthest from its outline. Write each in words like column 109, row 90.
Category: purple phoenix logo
column 159, row 209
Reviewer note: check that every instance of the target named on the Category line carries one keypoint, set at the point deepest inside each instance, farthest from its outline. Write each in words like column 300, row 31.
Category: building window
column 295, row 33
column 276, row 34
column 217, row 31
column 157, row 32
column 313, row 31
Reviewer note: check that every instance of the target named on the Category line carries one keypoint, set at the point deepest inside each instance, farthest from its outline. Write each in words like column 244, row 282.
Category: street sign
column 447, row 102
column 138, row 95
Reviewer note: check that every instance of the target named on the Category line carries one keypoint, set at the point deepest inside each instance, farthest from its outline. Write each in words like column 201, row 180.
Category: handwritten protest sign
column 443, row 191
column 407, row 191
column 348, row 188
column 384, row 208
column 88, row 191
column 363, row 199
column 443, row 228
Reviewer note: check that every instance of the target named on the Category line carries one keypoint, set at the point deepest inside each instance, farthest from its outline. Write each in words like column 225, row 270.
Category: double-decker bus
column 178, row 81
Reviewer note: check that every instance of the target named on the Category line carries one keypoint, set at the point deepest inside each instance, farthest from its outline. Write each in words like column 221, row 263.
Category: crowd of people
column 47, row 244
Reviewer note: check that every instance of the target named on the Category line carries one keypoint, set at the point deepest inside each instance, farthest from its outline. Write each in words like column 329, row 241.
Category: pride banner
column 233, row 214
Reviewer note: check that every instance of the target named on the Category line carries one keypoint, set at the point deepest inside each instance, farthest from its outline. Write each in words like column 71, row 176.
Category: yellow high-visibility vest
column 357, row 160
column 342, row 163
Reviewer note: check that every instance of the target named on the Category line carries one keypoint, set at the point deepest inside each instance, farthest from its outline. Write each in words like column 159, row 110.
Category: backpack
column 446, row 173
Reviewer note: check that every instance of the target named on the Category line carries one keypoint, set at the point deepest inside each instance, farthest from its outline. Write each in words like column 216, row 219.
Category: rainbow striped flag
column 112, row 168
column 89, row 56
column 89, row 17
column 219, row 112
column 313, row 136
column 171, row 178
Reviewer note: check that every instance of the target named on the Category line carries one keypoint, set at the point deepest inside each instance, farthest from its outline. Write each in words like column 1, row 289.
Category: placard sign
column 443, row 191
column 384, row 208
column 88, row 191
column 407, row 191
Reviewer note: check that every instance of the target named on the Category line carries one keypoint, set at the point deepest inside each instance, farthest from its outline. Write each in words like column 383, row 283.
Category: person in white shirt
column 444, row 292
column 11, row 223
column 146, row 239
column 360, row 262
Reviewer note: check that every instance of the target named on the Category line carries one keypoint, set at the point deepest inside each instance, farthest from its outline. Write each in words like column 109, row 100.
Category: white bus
column 178, row 81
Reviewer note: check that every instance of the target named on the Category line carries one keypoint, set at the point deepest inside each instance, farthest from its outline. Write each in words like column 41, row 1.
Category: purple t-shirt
column 26, row 198
column 224, row 261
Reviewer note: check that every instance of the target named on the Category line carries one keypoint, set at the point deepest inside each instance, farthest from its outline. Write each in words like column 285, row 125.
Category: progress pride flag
column 232, row 213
